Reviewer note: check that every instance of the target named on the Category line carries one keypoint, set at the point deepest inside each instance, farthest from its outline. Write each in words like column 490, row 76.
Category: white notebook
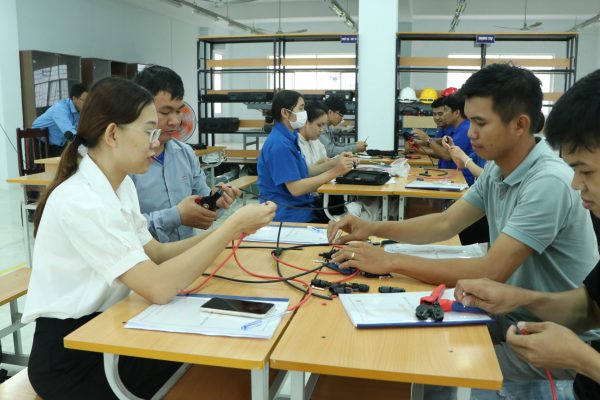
column 437, row 185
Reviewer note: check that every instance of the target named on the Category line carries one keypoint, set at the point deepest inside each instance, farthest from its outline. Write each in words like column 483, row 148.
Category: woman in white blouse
column 93, row 246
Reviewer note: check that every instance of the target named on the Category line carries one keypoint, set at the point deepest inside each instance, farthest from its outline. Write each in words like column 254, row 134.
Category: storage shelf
column 561, row 66
column 274, row 63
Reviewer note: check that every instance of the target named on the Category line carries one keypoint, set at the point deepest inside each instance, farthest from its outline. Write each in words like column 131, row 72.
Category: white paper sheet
column 290, row 234
column 183, row 315
column 437, row 251
column 375, row 310
column 437, row 185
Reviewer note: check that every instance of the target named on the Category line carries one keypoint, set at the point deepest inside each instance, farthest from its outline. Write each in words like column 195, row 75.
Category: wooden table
column 12, row 286
column 396, row 188
column 423, row 161
column 28, row 182
column 322, row 340
column 106, row 334
column 50, row 164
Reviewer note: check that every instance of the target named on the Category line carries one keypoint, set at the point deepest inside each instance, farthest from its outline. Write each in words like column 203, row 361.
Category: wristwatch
column 429, row 140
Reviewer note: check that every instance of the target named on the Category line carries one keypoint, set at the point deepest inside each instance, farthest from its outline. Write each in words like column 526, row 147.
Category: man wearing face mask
column 335, row 115
column 283, row 176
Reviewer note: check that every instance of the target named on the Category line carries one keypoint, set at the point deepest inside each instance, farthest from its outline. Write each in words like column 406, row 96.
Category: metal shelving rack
column 278, row 68
column 564, row 66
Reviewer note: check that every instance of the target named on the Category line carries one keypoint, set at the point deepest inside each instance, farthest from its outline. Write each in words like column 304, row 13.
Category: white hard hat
column 408, row 95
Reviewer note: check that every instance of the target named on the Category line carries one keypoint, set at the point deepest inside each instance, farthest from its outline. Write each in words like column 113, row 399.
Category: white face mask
column 301, row 118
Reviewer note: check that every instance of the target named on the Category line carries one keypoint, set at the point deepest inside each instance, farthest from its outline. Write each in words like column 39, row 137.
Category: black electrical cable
column 278, row 252
column 427, row 170
column 286, row 278
column 8, row 138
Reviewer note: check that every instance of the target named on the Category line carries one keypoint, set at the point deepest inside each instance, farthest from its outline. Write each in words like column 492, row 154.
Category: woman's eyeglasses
column 153, row 134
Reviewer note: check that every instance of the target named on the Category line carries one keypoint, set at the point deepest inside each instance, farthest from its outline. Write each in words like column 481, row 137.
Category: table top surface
column 422, row 161
column 322, row 339
column 42, row 178
column 398, row 186
column 209, row 150
column 51, row 160
column 14, row 284
column 106, row 333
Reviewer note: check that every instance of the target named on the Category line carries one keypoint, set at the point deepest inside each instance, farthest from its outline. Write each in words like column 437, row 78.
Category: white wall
column 111, row 29
column 11, row 116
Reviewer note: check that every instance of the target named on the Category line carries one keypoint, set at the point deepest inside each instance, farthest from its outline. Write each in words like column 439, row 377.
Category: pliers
column 433, row 306
column 430, row 307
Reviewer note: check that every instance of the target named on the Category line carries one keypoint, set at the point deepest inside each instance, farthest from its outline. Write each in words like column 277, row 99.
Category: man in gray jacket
column 335, row 114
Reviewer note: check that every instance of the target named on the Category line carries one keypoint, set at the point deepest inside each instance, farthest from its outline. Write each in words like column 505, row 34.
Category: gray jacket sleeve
column 333, row 148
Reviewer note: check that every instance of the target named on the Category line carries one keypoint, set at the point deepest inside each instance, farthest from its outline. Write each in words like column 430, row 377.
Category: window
column 456, row 79
column 218, row 84
column 319, row 80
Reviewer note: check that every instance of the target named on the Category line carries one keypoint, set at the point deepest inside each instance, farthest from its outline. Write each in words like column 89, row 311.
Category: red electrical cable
column 291, row 308
column 196, row 288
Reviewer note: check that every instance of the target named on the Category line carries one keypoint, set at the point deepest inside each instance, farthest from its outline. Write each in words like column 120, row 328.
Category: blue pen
column 260, row 321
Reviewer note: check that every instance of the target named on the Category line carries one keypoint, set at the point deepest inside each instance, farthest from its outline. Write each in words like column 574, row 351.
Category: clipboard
column 382, row 310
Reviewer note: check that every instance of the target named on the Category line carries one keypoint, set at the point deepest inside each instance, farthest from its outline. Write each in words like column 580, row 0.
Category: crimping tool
column 433, row 306
column 430, row 307
column 210, row 202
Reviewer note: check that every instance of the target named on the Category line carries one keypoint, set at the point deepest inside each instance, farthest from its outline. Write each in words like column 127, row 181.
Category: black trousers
column 59, row 373
column 55, row 151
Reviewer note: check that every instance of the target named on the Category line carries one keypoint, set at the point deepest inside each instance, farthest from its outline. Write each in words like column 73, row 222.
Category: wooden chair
column 30, row 147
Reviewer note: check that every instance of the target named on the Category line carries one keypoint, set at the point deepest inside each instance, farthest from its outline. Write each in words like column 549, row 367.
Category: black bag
column 364, row 177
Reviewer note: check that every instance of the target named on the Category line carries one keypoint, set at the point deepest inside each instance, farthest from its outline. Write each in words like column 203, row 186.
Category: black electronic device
column 382, row 153
column 346, row 95
column 244, row 308
column 210, row 202
column 216, row 98
column 224, row 125
column 250, row 96
column 364, row 177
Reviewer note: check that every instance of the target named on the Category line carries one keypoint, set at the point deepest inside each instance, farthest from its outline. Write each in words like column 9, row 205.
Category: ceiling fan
column 526, row 26
column 223, row 3
column 279, row 30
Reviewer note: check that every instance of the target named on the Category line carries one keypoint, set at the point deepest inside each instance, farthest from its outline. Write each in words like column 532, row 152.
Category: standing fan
column 188, row 123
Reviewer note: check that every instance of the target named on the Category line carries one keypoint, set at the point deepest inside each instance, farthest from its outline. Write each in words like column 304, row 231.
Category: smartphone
column 242, row 308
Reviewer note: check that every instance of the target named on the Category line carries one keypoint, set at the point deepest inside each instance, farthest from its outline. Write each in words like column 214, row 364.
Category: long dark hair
column 111, row 100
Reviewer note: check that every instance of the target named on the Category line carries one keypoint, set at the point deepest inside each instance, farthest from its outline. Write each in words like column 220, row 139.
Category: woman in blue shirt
column 283, row 176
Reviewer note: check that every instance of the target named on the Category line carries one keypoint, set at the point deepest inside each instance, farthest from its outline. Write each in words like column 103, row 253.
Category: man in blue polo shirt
column 62, row 117
column 458, row 128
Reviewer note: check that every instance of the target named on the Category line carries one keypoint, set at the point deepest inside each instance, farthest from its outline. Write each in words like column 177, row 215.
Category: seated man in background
column 168, row 191
column 428, row 145
column 574, row 127
column 336, row 108
column 62, row 117
column 538, row 241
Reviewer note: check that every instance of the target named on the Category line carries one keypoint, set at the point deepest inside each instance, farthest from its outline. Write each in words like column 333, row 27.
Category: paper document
column 398, row 309
column 183, row 315
column 437, row 251
column 290, row 234
column 437, row 185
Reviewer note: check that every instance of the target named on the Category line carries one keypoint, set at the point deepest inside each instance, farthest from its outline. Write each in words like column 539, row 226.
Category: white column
column 11, row 114
column 377, row 27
